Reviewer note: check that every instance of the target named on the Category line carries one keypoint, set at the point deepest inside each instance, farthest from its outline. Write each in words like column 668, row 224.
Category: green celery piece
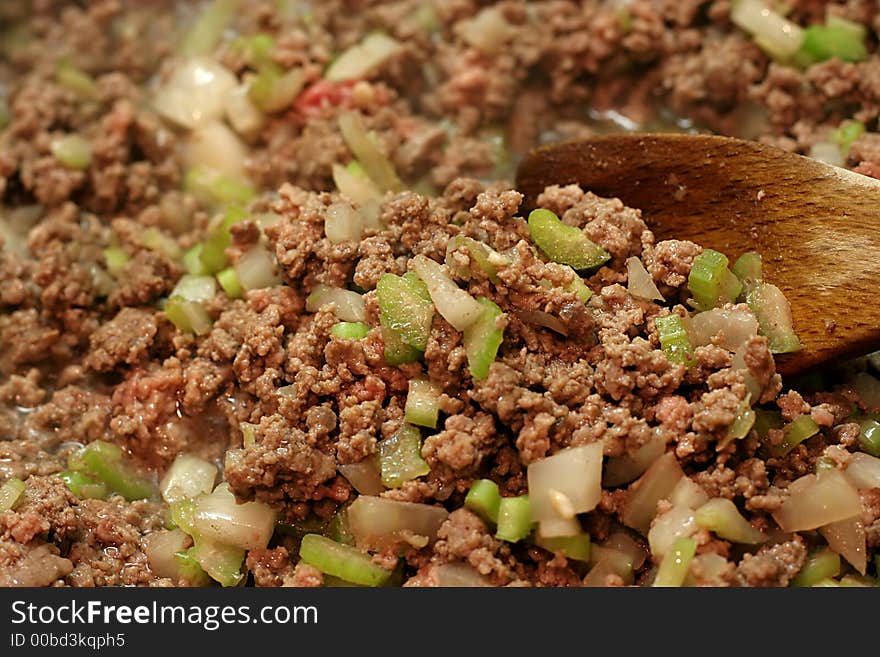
column 342, row 561
column 749, row 269
column 400, row 457
column 397, row 351
column 105, row 462
column 484, row 499
column 720, row 515
column 824, row 42
column 869, row 437
column 188, row 568
column 846, row 133
column 823, row 464
column 674, row 339
column 766, row 420
column 338, row 528
column 273, row 89
column 577, row 548
column 514, row 519
column 764, row 300
column 350, row 330
column 819, row 565
column 116, row 258
column 188, row 316
column 204, row 35
column 794, row 433
column 221, row 562
column 406, row 308
column 579, row 288
column 69, row 76
column 155, row 240
column 482, row 339
column 213, row 188
column 710, row 281
column 257, row 49
column 422, row 403
column 11, row 493
column 478, row 253
column 213, row 255
column 192, row 260
column 182, row 514
column 83, row 486
column 676, row 563
column 565, row 244
column 228, row 280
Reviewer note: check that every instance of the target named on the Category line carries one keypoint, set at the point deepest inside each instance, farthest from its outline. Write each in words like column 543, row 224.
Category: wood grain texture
column 816, row 226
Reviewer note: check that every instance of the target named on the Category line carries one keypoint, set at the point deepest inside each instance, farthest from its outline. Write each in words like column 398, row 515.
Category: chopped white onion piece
column 847, row 538
column 623, row 542
column 455, row 305
column 827, row 152
column 196, row 92
column 817, row 501
column 350, row 306
column 216, row 147
column 488, row 31
column 220, row 518
column 363, row 58
column 736, row 325
column 563, row 485
column 244, row 117
column 365, row 147
column 676, row 523
column 365, row 476
column 195, row 288
column 342, row 223
column 639, row 281
column 540, row 318
column 688, row 493
column 656, row 484
column 377, row 523
column 623, row 469
column 160, row 547
column 187, row 478
column 863, row 471
column 257, row 269
column 773, row 32
column 458, row 574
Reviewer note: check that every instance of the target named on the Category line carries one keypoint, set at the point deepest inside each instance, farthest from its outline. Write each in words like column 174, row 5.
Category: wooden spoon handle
column 817, row 226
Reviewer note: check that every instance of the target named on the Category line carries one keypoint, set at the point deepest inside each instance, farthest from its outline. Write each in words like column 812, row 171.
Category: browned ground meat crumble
column 87, row 355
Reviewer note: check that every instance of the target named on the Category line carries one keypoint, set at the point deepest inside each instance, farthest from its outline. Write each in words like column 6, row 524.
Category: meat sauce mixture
column 271, row 314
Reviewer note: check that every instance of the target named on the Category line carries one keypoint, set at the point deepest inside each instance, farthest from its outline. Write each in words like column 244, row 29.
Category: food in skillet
column 272, row 315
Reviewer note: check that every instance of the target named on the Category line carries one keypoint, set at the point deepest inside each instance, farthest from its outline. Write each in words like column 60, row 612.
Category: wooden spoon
column 816, row 226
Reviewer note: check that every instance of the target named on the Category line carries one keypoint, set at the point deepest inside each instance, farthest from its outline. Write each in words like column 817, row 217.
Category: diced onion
column 365, row 148
column 160, row 548
column 363, row 58
column 639, row 282
column 540, row 318
column 455, row 305
column 458, row 574
column 377, row 523
column 342, row 223
column 863, row 471
column 350, row 306
column 220, row 518
column 817, row 501
column 827, row 152
column 623, row 542
column 847, row 538
column 656, row 484
column 364, row 476
column 623, row 469
column 196, row 93
column 564, row 484
column 214, row 146
column 688, row 493
column 187, row 478
column 721, row 516
column 488, row 31
column 195, row 288
column 257, row 269
column 773, row 32
column 736, row 325
column 669, row 527
column 244, row 117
